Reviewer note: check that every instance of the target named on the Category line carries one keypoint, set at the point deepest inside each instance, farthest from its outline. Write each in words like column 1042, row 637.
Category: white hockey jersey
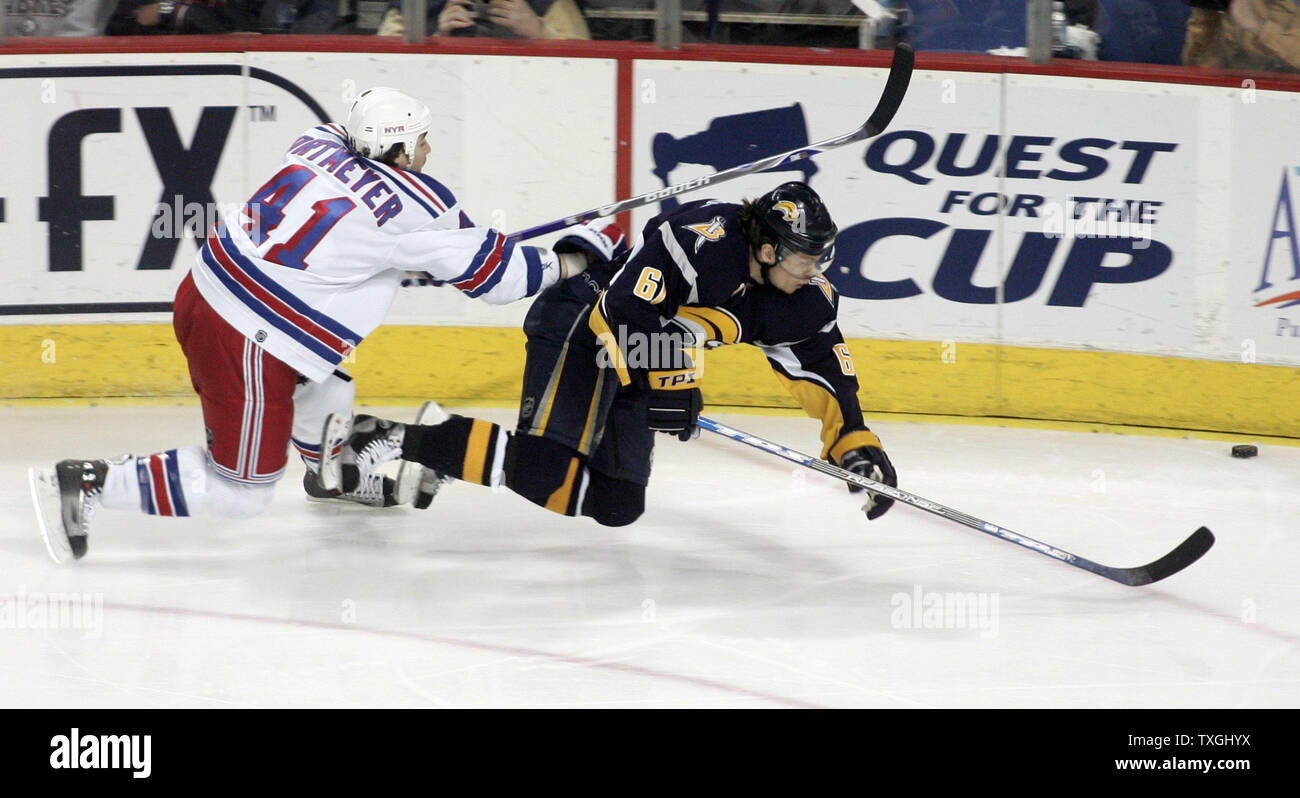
column 312, row 263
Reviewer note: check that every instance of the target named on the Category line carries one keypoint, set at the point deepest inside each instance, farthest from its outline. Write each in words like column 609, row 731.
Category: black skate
column 430, row 482
column 362, row 442
column 66, row 498
column 359, row 446
column 373, row 491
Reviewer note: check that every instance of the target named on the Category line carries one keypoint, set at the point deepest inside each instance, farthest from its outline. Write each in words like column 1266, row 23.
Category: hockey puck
column 1245, row 450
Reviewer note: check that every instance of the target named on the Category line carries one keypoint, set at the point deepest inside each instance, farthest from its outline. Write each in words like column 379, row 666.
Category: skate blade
column 423, row 498
column 342, row 501
column 334, row 436
column 48, row 505
column 408, row 482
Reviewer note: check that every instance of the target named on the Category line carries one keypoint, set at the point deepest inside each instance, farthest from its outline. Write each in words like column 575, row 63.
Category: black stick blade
column 900, row 75
column 1187, row 552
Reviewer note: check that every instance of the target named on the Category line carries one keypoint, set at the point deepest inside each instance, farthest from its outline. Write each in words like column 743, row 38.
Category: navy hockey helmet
column 794, row 219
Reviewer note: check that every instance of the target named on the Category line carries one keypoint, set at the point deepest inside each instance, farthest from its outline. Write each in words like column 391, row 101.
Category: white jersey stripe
column 682, row 260
column 790, row 364
column 226, row 473
column 255, row 446
column 498, row 473
column 246, row 419
column 582, row 490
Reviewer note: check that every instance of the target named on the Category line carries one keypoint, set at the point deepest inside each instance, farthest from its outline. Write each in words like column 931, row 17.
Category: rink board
column 968, row 285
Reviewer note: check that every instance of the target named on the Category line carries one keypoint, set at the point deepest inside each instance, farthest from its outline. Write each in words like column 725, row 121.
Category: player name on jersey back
column 334, row 158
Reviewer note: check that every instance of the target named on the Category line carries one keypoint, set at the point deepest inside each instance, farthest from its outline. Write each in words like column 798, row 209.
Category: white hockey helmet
column 382, row 117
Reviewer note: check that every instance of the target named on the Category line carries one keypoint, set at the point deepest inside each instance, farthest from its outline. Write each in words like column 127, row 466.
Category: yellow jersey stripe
column 818, row 403
column 476, row 451
column 854, row 440
column 558, row 502
column 596, row 321
column 588, row 429
column 548, row 398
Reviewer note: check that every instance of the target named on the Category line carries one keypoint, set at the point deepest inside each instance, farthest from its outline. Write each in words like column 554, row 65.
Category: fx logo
column 185, row 171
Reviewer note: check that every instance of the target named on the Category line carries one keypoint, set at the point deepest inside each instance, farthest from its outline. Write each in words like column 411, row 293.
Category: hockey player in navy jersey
column 281, row 291
column 608, row 362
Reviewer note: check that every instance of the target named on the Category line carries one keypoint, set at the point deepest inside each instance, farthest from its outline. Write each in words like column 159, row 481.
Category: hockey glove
column 602, row 241
column 873, row 463
column 675, row 403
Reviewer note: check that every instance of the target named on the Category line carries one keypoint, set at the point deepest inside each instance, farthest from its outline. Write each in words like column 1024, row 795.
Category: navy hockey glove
column 675, row 403
column 873, row 463
column 602, row 241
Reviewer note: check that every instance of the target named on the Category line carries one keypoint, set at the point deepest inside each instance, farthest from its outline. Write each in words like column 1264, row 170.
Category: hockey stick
column 900, row 74
column 1186, row 553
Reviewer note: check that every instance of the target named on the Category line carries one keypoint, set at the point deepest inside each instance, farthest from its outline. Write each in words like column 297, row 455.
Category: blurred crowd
column 1221, row 34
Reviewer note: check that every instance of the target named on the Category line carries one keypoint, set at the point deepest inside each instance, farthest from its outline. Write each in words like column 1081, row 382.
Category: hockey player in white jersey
column 281, row 292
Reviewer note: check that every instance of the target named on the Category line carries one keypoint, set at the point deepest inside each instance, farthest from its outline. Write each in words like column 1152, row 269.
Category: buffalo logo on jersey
column 711, row 230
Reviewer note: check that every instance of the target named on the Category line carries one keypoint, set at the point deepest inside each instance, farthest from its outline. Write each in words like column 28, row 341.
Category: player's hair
column 389, row 157
column 754, row 232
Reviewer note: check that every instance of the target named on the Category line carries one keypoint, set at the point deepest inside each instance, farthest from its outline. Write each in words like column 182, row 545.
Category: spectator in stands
column 1244, row 34
column 140, row 18
column 966, row 25
column 502, row 19
column 225, row 16
column 1141, row 31
column 826, row 34
column 767, row 22
column 65, row 18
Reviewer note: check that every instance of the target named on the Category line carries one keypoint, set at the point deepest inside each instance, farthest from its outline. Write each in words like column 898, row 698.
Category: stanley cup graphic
column 734, row 140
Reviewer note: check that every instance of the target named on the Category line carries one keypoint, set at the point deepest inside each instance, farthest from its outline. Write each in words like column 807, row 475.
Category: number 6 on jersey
column 650, row 285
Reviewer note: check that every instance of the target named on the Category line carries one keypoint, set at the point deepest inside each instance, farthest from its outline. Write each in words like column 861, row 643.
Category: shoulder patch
column 712, row 230
column 826, row 287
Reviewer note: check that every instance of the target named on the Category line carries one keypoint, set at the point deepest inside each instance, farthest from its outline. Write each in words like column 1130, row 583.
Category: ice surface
column 749, row 582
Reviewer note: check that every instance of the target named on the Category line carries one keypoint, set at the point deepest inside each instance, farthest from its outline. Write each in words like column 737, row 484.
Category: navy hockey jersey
column 688, row 273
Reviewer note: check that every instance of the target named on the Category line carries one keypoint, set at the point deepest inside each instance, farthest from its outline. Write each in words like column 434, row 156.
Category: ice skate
column 375, row 490
column 65, row 498
column 334, row 438
column 363, row 443
column 430, row 483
